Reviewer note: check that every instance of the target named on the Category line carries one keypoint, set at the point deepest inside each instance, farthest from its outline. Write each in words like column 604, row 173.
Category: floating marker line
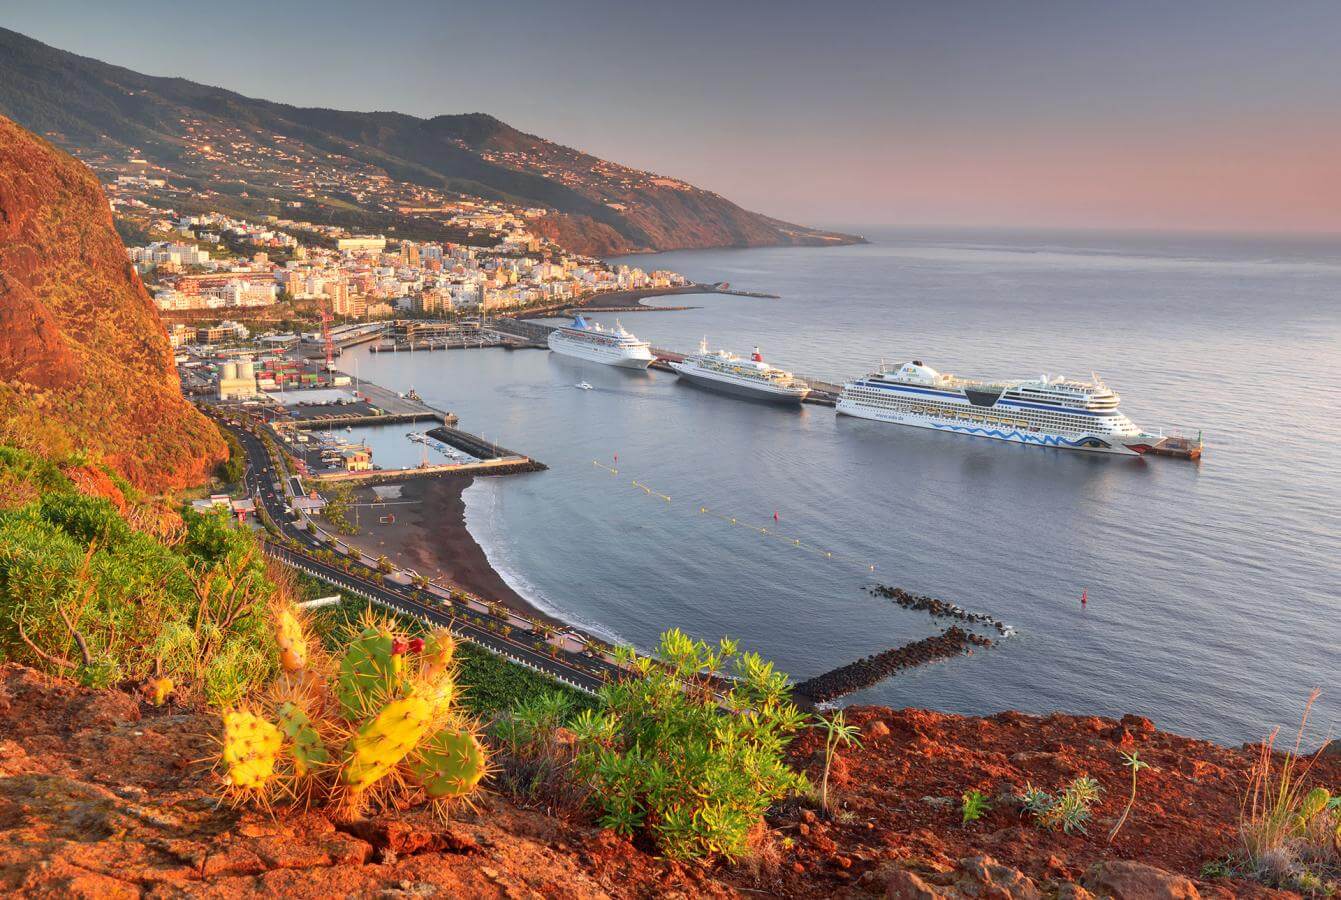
column 647, row 490
column 764, row 531
column 787, row 539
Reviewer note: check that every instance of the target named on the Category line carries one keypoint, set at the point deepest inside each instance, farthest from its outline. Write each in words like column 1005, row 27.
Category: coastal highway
column 525, row 648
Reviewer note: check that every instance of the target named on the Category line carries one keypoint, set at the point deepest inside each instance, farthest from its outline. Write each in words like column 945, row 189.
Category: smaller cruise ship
column 589, row 341
column 719, row 370
column 1046, row 412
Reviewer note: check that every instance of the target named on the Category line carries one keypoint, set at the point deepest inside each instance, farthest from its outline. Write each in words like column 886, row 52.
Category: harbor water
column 1214, row 589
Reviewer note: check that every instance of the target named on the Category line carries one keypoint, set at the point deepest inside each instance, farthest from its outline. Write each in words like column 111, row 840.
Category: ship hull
column 1090, row 443
column 636, row 358
column 736, row 389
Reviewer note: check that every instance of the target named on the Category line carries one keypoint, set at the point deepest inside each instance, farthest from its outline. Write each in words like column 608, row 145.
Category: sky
column 1196, row 114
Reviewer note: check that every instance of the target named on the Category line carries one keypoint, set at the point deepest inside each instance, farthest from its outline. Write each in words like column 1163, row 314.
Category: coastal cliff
column 111, row 789
column 84, row 361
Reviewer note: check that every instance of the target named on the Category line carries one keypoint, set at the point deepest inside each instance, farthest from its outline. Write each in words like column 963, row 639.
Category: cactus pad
column 370, row 674
column 291, row 640
column 306, row 747
column 449, row 764
column 382, row 742
column 251, row 746
column 439, row 650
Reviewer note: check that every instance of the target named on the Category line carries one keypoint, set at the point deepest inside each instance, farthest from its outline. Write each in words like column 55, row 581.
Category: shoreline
column 430, row 536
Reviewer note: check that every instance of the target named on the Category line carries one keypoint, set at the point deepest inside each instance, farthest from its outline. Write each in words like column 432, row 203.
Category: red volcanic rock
column 1125, row 880
column 84, row 361
column 101, row 795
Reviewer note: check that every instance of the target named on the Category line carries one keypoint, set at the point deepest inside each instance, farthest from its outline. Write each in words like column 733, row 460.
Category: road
column 432, row 605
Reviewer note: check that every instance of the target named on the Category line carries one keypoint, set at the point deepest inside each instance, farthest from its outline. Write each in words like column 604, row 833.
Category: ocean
column 1214, row 589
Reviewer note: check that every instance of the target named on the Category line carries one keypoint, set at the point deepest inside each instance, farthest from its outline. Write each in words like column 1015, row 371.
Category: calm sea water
column 1214, row 589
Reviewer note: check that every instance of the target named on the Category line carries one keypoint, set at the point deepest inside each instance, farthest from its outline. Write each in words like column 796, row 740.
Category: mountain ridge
column 598, row 207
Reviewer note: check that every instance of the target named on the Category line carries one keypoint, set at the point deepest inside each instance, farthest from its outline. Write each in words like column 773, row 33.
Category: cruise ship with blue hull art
column 610, row 346
column 1046, row 412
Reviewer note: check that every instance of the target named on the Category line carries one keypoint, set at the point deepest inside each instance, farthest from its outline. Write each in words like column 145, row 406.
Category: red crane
column 326, row 338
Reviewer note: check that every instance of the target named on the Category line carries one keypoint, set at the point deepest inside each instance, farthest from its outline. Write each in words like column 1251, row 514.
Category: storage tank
column 246, row 370
column 229, row 372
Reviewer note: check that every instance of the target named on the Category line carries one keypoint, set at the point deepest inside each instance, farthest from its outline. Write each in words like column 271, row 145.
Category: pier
column 476, row 446
column 373, row 405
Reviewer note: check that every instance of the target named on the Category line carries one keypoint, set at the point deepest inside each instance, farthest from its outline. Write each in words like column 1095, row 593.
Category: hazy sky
column 1208, row 114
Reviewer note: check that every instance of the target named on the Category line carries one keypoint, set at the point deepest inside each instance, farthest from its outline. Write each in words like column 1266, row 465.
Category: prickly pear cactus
column 449, row 764
column 251, row 747
column 366, row 728
column 382, row 742
column 438, row 653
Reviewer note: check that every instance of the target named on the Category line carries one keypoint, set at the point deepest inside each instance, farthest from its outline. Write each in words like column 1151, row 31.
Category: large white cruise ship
column 1047, row 412
column 589, row 341
column 722, row 371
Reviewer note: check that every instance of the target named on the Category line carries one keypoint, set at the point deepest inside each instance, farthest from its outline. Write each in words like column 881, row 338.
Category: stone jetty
column 940, row 609
column 854, row 676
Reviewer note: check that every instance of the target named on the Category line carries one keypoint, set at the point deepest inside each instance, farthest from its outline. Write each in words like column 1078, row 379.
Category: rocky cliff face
column 84, row 361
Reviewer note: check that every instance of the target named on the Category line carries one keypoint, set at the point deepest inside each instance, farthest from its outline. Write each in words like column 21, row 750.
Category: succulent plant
column 449, row 764
column 379, row 722
column 251, row 748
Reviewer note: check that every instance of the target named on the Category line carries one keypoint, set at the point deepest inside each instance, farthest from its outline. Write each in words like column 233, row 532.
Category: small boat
column 582, row 385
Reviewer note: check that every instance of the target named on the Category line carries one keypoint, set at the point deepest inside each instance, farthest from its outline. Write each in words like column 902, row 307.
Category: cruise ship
column 589, row 341
column 1047, row 412
column 719, row 370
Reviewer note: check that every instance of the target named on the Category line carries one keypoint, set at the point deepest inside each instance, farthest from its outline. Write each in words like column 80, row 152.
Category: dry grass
column 1290, row 830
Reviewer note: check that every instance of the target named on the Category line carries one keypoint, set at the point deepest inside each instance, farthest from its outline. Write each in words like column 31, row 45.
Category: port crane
column 328, row 342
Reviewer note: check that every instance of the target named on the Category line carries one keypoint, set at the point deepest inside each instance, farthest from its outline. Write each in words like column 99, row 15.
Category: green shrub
column 973, row 806
column 689, row 758
column 85, row 595
column 234, row 467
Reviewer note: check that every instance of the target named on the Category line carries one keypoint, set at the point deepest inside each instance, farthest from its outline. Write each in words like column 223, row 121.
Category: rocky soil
column 103, row 796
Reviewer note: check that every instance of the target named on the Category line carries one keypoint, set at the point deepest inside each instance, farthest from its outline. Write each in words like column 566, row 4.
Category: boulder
column 1126, row 880
column 876, row 729
column 983, row 876
column 904, row 885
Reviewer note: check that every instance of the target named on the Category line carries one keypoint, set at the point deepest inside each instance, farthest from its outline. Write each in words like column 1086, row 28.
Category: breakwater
column 477, row 446
column 937, row 608
column 863, row 673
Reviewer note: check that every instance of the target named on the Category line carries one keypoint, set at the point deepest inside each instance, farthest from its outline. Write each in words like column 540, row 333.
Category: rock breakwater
column 937, row 608
column 854, row 676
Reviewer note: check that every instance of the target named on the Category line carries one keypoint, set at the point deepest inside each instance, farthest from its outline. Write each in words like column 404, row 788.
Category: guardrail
column 448, row 621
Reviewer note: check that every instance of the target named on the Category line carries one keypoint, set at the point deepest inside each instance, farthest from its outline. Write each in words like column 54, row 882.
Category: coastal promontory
column 84, row 360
